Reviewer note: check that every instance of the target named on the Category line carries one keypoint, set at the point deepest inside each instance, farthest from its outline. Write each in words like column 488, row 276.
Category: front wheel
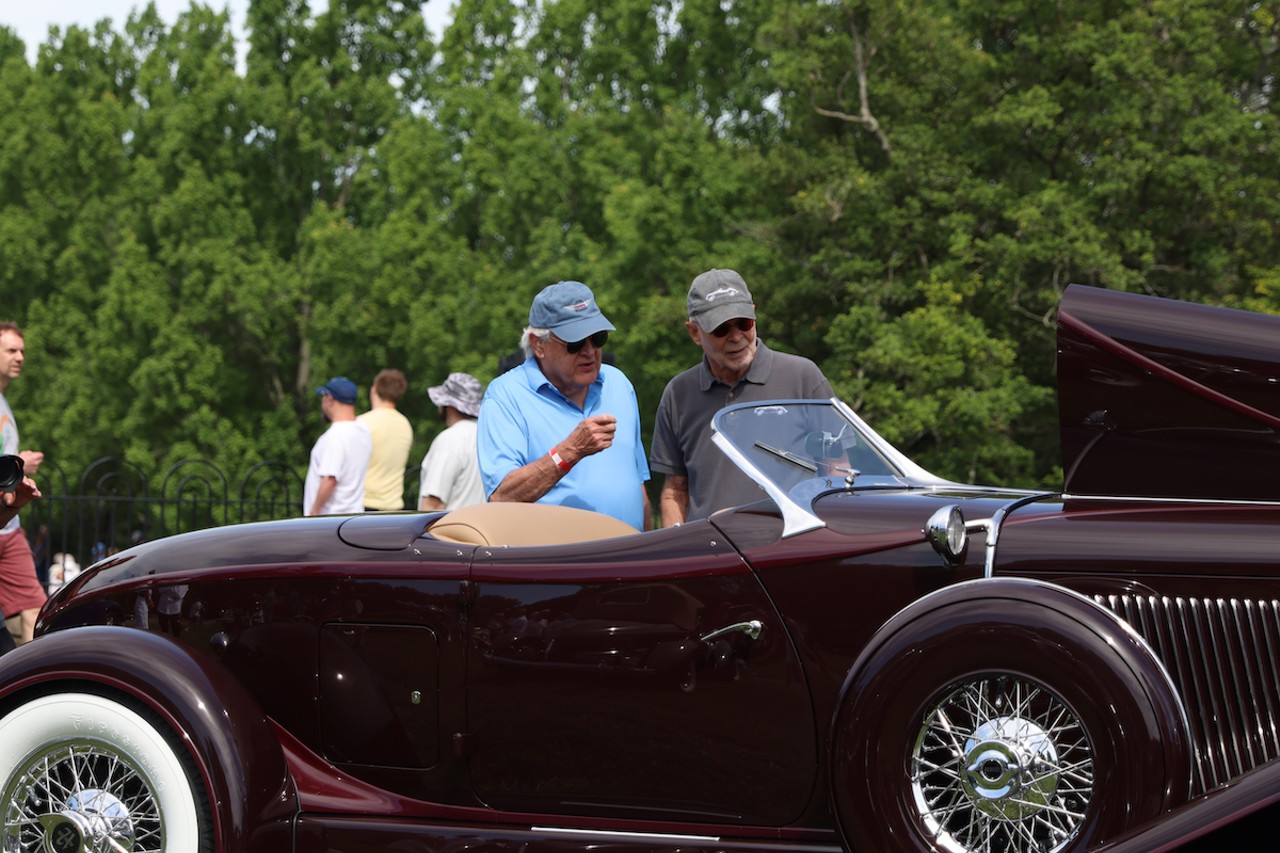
column 1027, row 731
column 81, row 772
column 1000, row 762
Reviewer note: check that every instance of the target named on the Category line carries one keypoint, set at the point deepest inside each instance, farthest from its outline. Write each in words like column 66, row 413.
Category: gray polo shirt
column 682, row 434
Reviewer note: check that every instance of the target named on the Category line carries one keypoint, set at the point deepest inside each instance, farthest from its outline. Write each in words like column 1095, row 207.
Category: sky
column 31, row 19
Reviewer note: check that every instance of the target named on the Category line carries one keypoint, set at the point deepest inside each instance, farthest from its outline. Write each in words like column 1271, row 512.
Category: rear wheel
column 82, row 772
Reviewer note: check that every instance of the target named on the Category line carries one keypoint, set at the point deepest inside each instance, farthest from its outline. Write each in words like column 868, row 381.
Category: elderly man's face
column 571, row 373
column 730, row 349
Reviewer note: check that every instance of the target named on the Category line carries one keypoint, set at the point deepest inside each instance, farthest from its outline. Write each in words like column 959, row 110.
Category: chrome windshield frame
column 796, row 503
column 912, row 473
column 795, row 518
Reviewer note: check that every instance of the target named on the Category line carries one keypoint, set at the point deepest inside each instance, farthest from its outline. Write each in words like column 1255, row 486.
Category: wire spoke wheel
column 85, row 774
column 1005, row 716
column 82, row 796
column 1001, row 764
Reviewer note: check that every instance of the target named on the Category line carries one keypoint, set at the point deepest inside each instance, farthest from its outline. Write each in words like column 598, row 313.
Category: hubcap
column 1011, row 768
column 89, row 819
column 1002, row 764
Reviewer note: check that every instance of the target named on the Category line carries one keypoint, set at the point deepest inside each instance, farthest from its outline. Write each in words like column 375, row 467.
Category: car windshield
column 797, row 449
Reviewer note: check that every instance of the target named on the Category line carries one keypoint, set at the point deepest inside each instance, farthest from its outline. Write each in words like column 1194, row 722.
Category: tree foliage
column 194, row 241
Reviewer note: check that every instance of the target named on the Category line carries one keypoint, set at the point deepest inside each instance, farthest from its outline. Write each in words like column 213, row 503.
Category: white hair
column 541, row 334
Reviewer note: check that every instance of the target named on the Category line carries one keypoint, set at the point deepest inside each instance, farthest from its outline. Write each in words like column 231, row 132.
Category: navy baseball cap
column 341, row 389
column 569, row 309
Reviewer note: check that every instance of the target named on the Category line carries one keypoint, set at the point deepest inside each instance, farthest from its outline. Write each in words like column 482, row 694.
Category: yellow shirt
column 392, row 438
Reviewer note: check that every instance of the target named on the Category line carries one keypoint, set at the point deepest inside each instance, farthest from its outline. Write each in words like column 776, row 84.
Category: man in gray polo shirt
column 736, row 367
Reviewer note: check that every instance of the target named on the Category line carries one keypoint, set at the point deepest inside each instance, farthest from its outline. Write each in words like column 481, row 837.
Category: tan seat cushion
column 522, row 524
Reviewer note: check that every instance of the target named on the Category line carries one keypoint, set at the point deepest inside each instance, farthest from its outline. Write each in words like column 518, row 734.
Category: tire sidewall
column 83, row 717
column 884, row 703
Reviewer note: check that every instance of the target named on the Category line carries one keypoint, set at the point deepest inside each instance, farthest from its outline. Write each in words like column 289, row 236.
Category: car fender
column 1021, row 626
column 1019, row 599
column 230, row 738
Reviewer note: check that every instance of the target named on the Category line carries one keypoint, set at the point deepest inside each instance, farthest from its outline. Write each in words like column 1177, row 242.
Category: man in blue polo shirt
column 563, row 428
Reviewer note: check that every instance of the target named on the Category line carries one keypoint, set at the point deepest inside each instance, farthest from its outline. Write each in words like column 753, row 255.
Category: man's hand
column 31, row 460
column 589, row 437
column 532, row 480
column 11, row 502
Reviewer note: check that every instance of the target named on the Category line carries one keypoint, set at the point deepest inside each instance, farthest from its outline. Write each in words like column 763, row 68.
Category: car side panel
column 595, row 688
column 839, row 584
column 361, row 662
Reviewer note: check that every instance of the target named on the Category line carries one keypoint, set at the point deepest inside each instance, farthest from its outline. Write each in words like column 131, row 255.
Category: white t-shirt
column 450, row 470
column 343, row 453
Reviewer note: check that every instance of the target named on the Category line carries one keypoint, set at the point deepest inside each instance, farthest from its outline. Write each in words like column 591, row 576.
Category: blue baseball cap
column 341, row 389
column 569, row 309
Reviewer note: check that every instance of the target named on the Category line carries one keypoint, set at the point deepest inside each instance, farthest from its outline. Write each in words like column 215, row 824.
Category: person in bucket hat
column 736, row 367
column 450, row 473
column 562, row 427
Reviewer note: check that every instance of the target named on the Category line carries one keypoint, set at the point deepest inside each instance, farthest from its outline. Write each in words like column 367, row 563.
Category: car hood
column 1165, row 398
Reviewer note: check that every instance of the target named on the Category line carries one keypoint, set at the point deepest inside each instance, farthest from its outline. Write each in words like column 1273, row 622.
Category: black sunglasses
column 742, row 324
column 598, row 340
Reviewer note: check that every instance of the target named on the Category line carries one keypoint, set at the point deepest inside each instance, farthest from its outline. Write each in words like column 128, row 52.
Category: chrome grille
column 1222, row 655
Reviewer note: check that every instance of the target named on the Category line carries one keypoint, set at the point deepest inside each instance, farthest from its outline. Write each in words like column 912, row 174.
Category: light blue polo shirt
column 523, row 416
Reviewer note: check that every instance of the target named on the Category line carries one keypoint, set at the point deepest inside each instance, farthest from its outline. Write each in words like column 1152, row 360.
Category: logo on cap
column 723, row 291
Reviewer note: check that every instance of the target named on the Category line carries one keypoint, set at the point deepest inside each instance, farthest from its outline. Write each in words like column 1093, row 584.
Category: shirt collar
column 540, row 384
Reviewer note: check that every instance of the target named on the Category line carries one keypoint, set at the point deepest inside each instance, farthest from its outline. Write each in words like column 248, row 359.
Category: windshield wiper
column 793, row 458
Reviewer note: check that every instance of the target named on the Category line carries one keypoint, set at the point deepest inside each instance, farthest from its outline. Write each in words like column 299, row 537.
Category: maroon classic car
column 862, row 656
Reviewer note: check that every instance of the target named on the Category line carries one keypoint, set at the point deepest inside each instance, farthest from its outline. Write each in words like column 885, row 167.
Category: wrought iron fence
column 114, row 504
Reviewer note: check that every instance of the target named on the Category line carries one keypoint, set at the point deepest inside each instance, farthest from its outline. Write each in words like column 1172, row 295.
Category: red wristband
column 560, row 463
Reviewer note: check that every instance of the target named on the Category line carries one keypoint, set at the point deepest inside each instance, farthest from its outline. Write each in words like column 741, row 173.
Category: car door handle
column 752, row 629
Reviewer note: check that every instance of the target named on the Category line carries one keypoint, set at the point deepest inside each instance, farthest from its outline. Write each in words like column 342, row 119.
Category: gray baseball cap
column 718, row 296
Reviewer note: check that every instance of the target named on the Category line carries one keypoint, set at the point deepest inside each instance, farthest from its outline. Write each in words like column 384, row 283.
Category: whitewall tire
column 81, row 772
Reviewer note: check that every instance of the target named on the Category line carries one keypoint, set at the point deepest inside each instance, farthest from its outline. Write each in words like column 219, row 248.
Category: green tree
column 908, row 186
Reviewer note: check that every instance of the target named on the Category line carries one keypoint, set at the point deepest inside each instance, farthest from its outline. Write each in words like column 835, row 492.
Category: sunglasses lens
column 742, row 324
column 598, row 339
